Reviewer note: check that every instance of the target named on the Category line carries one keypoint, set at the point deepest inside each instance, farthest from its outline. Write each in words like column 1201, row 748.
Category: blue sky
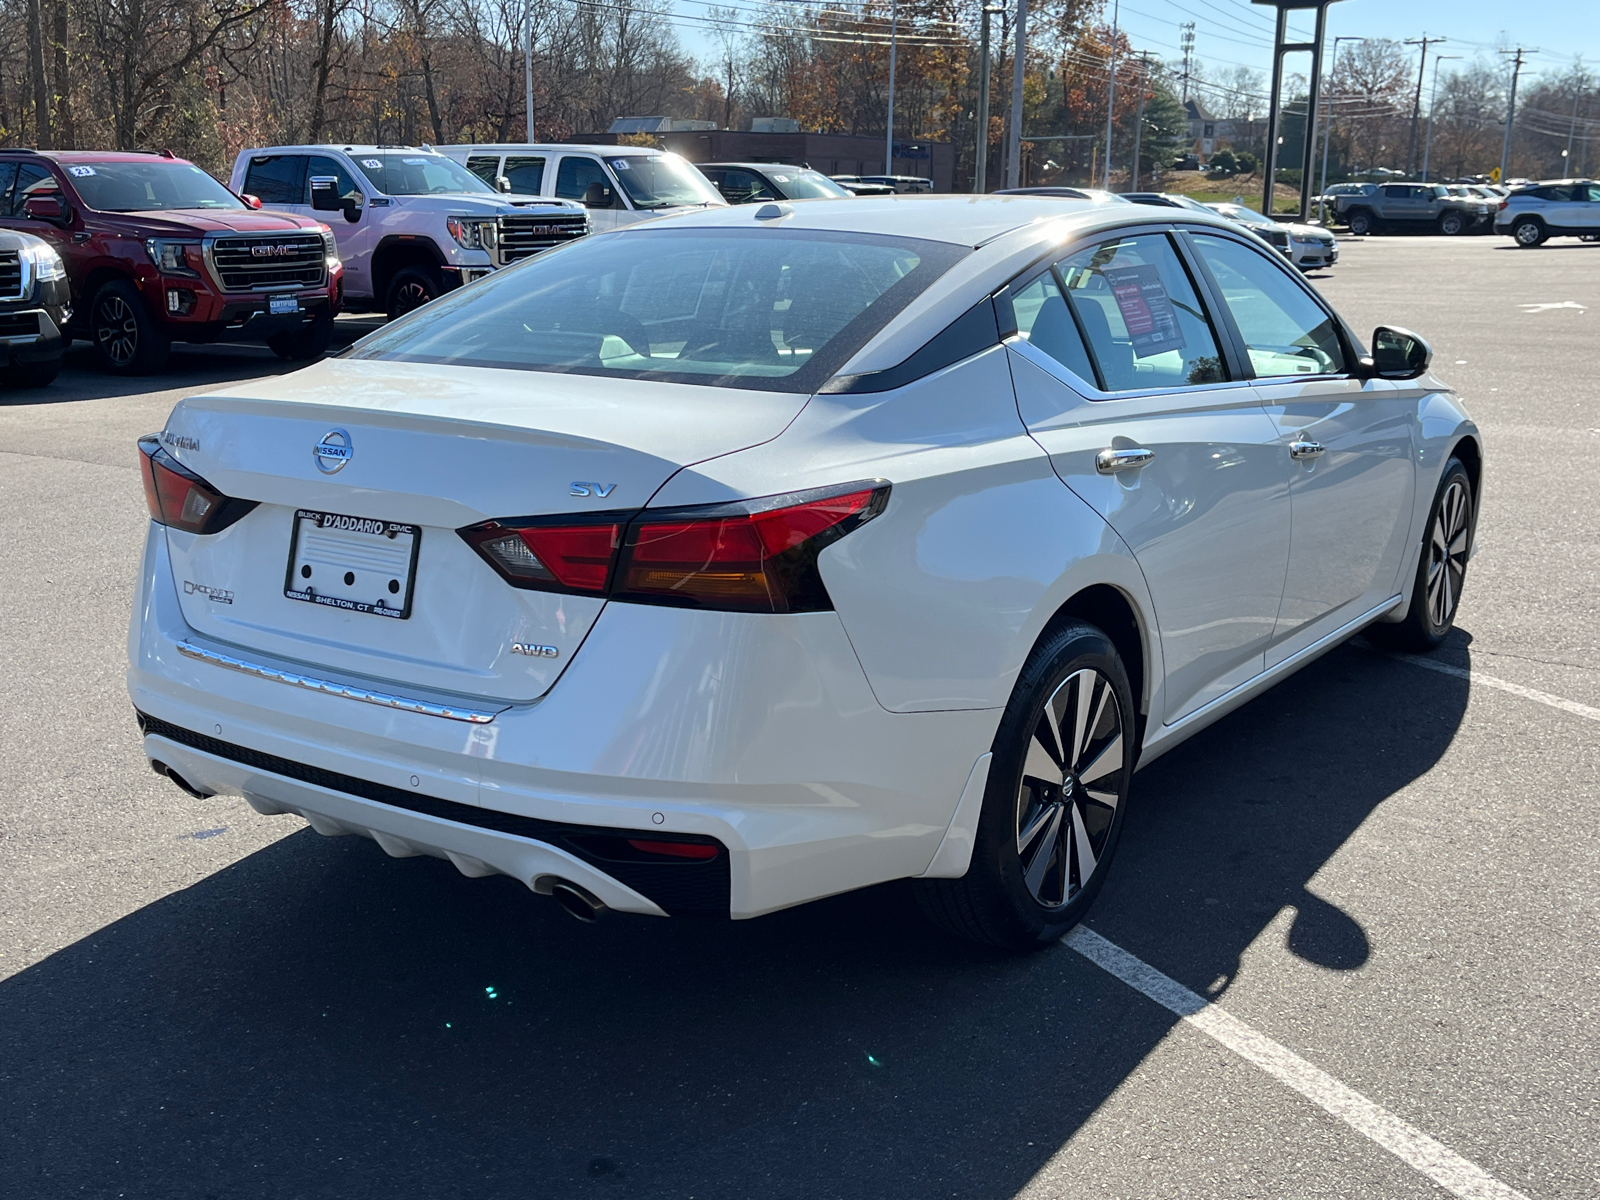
column 1229, row 32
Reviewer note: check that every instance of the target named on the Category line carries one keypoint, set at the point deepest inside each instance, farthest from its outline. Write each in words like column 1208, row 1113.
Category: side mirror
column 252, row 201
column 597, row 196
column 325, row 193
column 1396, row 354
column 502, row 183
column 44, row 208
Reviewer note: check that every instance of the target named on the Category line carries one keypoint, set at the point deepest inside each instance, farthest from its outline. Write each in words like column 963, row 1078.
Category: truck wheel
column 300, row 345
column 1529, row 232
column 126, row 337
column 1452, row 223
column 1361, row 222
column 412, row 288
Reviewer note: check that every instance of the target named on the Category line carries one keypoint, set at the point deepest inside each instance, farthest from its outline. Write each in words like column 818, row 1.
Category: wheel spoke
column 1107, row 761
column 1041, row 818
column 1041, row 763
column 1080, row 837
column 1085, row 694
column 1047, row 846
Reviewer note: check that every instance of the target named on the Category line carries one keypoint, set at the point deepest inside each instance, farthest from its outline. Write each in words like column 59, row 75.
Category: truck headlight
column 330, row 248
column 170, row 257
column 46, row 263
column 473, row 233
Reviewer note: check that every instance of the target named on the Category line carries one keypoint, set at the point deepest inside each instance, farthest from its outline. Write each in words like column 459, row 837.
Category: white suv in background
column 1557, row 208
column 415, row 225
column 618, row 184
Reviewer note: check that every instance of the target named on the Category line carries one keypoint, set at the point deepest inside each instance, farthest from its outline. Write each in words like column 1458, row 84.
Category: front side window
column 403, row 173
column 149, row 186
column 277, row 179
column 8, row 173
column 1285, row 331
column 778, row 310
column 662, row 181
column 739, row 186
column 485, row 166
column 322, row 168
column 577, row 174
column 1140, row 313
column 33, row 179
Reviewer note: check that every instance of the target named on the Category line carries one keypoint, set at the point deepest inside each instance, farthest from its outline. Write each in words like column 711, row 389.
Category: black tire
column 1452, row 224
column 1361, row 222
column 301, row 344
column 126, row 337
column 1441, row 568
column 411, row 288
column 35, row 374
column 1041, row 822
column 1529, row 232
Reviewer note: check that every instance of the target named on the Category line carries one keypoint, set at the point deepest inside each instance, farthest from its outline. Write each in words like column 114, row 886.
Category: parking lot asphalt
column 1388, row 870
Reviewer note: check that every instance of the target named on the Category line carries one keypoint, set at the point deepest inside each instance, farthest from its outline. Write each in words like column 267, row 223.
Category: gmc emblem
column 278, row 251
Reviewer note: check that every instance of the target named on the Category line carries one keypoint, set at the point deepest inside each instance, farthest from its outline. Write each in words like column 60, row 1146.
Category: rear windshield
column 414, row 174
column 771, row 309
column 147, row 186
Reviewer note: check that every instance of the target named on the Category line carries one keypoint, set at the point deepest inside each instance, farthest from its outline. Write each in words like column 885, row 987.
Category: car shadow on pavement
column 321, row 1021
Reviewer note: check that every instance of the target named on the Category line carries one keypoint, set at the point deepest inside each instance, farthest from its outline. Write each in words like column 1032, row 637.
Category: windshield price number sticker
column 80, row 172
column 277, row 305
column 620, row 164
column 355, row 563
column 374, row 164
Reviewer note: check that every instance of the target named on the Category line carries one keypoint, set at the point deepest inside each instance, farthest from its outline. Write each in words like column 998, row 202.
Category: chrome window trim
column 1093, row 394
column 426, row 708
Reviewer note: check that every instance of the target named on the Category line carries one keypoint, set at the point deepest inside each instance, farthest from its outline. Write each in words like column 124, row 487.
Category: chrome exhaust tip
column 575, row 900
column 161, row 768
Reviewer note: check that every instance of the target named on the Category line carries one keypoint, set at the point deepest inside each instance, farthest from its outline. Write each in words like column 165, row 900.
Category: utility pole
column 1186, row 40
column 1416, row 107
column 1111, row 90
column 1138, row 121
column 1014, row 134
column 980, row 174
column 1577, row 90
column 1433, row 102
column 894, row 26
column 1511, row 108
column 527, row 64
column 1327, row 134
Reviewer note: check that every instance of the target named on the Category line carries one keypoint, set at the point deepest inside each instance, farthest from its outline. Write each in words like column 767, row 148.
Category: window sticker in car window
column 375, row 163
column 620, row 164
column 415, row 162
column 781, row 178
column 1146, row 308
column 80, row 172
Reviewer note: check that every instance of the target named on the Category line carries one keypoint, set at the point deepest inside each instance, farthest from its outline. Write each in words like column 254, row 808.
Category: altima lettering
column 181, row 441
column 220, row 595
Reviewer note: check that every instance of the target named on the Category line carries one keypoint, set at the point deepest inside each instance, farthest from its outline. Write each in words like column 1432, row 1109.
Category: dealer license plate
column 354, row 563
column 278, row 305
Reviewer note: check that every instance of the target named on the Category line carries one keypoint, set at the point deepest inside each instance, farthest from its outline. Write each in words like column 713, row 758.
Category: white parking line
column 1406, row 1142
column 1505, row 685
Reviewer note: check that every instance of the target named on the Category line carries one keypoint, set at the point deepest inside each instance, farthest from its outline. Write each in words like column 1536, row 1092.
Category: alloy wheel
column 116, row 330
column 1071, row 782
column 411, row 295
column 1528, row 233
column 1447, row 553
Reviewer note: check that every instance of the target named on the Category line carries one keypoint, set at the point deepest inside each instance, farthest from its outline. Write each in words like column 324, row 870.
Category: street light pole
column 527, row 63
column 1111, row 90
column 980, row 174
column 1327, row 134
column 1014, row 134
column 1433, row 100
column 1138, row 121
column 888, row 150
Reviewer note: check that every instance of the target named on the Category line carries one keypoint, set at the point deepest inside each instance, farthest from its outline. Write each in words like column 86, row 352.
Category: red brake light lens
column 753, row 556
column 180, row 499
column 698, row 851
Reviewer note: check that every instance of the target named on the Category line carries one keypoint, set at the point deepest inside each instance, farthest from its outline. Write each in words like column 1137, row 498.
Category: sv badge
column 592, row 489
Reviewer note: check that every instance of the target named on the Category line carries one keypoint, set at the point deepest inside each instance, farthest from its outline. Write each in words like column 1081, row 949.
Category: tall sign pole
column 980, row 173
column 894, row 27
column 1111, row 89
column 527, row 63
column 1014, row 134
column 1280, row 47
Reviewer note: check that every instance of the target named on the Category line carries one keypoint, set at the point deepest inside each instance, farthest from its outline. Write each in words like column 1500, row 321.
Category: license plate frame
column 282, row 306
column 337, row 527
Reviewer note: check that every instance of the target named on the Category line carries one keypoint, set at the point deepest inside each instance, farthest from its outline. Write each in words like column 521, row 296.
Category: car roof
column 99, row 156
column 549, row 147
column 758, row 166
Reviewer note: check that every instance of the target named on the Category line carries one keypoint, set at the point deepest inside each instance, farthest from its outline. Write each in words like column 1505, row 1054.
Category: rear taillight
column 753, row 556
column 179, row 498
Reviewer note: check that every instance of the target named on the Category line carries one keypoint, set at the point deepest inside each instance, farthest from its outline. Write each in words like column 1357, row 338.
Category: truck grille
column 263, row 263
column 10, row 274
column 525, row 234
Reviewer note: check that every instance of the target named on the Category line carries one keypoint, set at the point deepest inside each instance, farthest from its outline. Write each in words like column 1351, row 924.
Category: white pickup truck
column 410, row 224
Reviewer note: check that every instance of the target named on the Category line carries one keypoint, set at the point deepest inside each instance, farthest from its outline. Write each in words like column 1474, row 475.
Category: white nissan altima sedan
column 720, row 564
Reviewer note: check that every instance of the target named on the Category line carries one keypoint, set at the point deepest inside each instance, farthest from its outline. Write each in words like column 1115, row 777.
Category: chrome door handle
column 1109, row 462
column 1304, row 447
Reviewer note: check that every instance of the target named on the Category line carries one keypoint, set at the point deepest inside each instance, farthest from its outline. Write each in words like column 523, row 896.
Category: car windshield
column 662, row 181
column 147, row 186
column 777, row 310
column 1243, row 215
column 800, row 184
column 1182, row 201
column 410, row 173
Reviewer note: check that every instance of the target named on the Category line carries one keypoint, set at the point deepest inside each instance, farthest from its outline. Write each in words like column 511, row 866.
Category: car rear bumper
column 759, row 733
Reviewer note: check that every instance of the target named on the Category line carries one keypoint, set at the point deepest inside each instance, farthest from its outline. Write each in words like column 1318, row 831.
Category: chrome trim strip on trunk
column 328, row 687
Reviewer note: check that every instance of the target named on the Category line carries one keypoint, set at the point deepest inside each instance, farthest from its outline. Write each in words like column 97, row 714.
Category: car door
column 37, row 179
column 357, row 239
column 1348, row 442
column 574, row 175
column 1121, row 376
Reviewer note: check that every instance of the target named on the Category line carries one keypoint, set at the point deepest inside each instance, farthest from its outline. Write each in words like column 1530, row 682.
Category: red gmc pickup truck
column 158, row 251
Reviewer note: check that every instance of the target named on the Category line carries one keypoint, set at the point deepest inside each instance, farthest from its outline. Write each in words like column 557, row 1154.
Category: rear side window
column 576, row 174
column 32, row 180
column 1285, row 331
column 1041, row 316
column 525, row 173
column 1141, row 315
column 277, row 179
column 778, row 310
column 1555, row 192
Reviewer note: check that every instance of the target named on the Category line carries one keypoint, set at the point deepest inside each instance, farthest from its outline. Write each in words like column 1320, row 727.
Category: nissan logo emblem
column 333, row 451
